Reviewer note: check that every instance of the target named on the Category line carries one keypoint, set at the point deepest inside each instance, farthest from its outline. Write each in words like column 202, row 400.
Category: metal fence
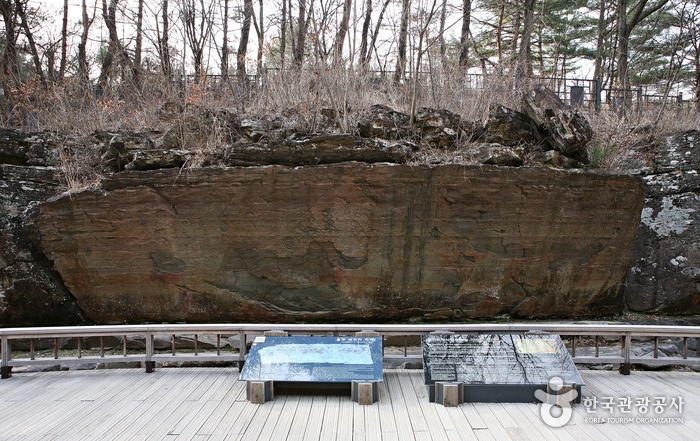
column 578, row 92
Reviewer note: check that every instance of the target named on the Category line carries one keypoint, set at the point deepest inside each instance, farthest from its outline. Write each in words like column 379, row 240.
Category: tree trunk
column 283, row 32
column 464, row 37
column 224, row 44
column 109, row 16
column 403, row 38
column 600, row 41
column 625, row 25
column 164, row 48
column 524, row 66
column 64, row 42
column 342, row 30
column 516, row 28
column 375, row 34
column 623, row 33
column 10, row 65
column 32, row 45
column 139, row 43
column 243, row 44
column 364, row 60
column 696, row 61
column 261, row 41
column 83, row 68
column 499, row 32
column 301, row 35
column 441, row 36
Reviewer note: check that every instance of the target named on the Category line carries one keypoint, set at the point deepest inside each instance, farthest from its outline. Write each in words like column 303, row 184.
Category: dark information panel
column 314, row 359
column 493, row 359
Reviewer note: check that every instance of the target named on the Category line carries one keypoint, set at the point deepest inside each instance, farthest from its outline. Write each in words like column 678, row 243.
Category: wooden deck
column 210, row 404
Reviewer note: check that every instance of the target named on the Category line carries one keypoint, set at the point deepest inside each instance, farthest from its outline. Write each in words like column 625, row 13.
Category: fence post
column 150, row 364
column 5, row 369
column 598, row 94
column 626, row 366
column 639, row 100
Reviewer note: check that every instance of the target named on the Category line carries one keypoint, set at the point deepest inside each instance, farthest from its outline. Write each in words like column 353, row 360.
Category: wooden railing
column 27, row 337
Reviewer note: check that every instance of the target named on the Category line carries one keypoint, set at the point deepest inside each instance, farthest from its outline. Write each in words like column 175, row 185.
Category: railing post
column 5, row 368
column 150, row 364
column 241, row 349
column 626, row 367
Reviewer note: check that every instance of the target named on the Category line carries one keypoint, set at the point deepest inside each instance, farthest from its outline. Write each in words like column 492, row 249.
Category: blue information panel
column 314, row 359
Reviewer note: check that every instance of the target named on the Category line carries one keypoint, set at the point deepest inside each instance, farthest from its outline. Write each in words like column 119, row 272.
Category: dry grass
column 297, row 97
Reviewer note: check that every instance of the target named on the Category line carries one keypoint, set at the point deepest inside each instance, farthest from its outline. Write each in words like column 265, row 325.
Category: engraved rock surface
column 344, row 242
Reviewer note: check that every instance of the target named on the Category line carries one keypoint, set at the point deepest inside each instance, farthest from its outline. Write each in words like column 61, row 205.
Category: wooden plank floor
column 209, row 404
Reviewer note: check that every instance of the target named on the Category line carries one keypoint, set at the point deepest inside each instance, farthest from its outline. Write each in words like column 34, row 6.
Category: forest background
column 84, row 65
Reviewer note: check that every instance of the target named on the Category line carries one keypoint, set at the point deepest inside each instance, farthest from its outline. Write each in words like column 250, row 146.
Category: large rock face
column 664, row 274
column 31, row 291
column 344, row 242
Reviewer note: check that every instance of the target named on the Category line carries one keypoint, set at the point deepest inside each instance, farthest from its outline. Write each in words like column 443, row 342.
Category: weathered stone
column 553, row 158
column 31, row 292
column 117, row 149
column 383, row 122
column 13, row 147
column 664, row 273
column 438, row 127
column 35, row 149
column 497, row 154
column 509, row 127
column 473, row 130
column 345, row 242
column 260, row 129
column 321, row 149
column 567, row 130
column 677, row 152
column 155, row 159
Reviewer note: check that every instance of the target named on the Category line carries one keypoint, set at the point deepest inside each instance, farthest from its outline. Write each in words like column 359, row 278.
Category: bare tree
column 375, row 34
column 243, row 44
column 302, row 28
column 163, row 43
column 83, row 67
column 260, row 31
column 342, row 30
column 30, row 40
column 139, row 44
column 600, row 41
column 64, row 42
column 224, row 44
column 365, row 35
column 441, row 34
column 10, row 64
column 197, row 20
column 283, row 33
column 464, row 36
column 422, row 37
column 114, row 47
column 403, row 38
